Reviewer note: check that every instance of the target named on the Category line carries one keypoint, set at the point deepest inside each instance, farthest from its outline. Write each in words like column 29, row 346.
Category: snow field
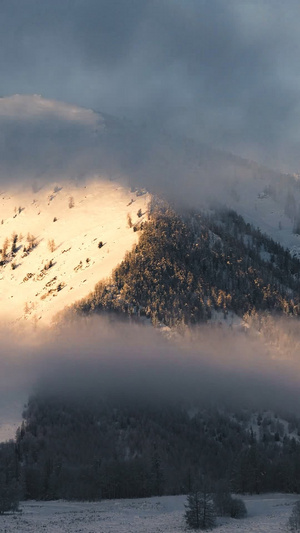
column 267, row 513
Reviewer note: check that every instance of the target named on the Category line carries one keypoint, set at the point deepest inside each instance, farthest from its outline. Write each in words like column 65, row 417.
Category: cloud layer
column 224, row 72
column 135, row 363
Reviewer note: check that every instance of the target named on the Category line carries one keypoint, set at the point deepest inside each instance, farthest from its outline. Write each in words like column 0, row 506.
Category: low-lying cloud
column 42, row 141
column 137, row 364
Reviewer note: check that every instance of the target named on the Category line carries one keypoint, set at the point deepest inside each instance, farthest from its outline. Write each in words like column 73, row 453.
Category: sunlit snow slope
column 68, row 236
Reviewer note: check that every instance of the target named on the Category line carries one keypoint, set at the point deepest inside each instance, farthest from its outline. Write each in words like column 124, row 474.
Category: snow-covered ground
column 67, row 220
column 265, row 211
column 267, row 513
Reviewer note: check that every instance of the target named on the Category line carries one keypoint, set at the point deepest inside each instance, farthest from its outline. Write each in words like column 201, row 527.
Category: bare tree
column 4, row 249
column 31, row 239
column 129, row 220
column 14, row 239
column 51, row 245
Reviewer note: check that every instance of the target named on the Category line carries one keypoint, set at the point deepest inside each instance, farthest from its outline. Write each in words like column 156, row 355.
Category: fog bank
column 89, row 359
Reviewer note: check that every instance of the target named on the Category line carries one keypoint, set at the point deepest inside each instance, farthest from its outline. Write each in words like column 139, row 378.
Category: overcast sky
column 224, row 71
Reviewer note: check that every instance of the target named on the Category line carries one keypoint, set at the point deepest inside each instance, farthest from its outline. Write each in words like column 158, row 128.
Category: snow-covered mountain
column 271, row 202
column 69, row 169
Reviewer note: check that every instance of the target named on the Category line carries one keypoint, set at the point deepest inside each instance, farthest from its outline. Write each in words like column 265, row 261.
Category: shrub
column 222, row 500
column 226, row 505
column 238, row 508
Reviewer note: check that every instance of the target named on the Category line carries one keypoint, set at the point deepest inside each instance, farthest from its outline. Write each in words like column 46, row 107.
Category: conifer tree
column 294, row 520
column 200, row 511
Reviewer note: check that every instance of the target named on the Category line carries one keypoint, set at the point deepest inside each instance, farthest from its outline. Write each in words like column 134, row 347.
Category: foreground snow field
column 266, row 513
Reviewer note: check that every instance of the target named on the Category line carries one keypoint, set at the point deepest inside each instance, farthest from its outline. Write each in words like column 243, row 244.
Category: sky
column 225, row 72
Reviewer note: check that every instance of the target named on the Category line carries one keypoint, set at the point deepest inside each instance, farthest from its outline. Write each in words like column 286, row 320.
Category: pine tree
column 9, row 484
column 9, row 495
column 200, row 511
column 294, row 520
column 157, row 477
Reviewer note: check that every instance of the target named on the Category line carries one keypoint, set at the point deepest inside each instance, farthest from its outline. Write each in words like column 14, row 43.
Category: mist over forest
column 104, row 356
column 123, row 393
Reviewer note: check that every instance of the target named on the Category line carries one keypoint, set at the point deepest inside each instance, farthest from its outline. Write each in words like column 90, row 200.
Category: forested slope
column 100, row 447
column 185, row 266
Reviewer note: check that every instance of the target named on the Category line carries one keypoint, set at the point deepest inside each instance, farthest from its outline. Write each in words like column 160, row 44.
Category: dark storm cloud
column 226, row 72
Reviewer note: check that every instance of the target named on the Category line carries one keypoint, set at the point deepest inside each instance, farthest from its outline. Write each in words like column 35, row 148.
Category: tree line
column 88, row 449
